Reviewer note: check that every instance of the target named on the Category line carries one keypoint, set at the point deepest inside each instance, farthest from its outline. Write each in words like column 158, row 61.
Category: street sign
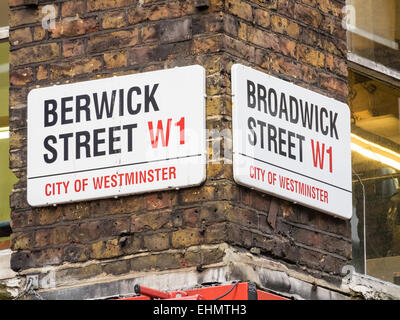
column 291, row 142
column 116, row 136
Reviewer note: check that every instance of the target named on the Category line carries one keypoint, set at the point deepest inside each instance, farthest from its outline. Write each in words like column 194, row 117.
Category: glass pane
column 4, row 83
column 374, row 30
column 375, row 108
column 3, row 13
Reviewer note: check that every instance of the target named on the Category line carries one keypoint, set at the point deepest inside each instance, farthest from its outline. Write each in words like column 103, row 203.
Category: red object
column 235, row 291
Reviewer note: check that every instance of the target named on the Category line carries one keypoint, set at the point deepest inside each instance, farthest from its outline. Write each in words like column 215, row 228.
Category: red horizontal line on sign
column 303, row 175
column 117, row 166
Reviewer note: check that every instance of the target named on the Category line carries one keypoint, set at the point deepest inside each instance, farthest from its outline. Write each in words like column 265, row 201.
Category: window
column 374, row 30
column 374, row 100
column 7, row 178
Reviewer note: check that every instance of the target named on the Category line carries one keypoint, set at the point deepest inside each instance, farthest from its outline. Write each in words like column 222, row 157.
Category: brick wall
column 300, row 41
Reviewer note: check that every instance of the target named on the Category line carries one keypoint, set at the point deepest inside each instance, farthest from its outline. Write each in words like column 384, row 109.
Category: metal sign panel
column 116, row 136
column 291, row 142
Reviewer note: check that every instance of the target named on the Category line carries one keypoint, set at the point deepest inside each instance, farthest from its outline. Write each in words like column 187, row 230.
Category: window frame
column 391, row 77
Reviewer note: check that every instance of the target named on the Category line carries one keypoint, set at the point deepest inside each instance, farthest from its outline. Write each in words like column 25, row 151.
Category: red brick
column 73, row 48
column 112, row 40
column 69, row 27
column 239, row 8
column 95, row 5
column 307, row 15
column 21, row 76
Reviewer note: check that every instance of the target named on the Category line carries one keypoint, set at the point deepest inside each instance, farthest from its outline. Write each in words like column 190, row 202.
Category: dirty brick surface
column 300, row 41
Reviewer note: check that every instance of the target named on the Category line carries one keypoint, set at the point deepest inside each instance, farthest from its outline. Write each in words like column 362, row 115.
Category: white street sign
column 117, row 136
column 291, row 142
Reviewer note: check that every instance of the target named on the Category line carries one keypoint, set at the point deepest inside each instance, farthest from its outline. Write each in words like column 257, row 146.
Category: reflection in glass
column 375, row 108
column 374, row 30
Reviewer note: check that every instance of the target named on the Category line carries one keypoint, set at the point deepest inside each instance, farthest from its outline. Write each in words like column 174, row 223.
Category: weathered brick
column 105, row 249
column 46, row 216
column 117, row 267
column 307, row 15
column 112, row 40
column 131, row 244
column 187, row 237
column 266, row 4
column 219, row 105
column 331, row 7
column 150, row 33
column 95, row 5
column 227, row 191
column 22, row 240
column 72, row 69
column 72, row 8
column 39, row 33
column 15, row 3
column 114, row 19
column 42, row 238
column 73, row 48
column 288, row 47
column 242, row 31
column 336, row 65
column 150, row 221
column 211, row 23
column 46, row 257
column 20, row 36
column 215, row 233
column 73, row 212
column 21, row 76
column 65, row 276
column 245, row 217
column 285, row 26
column 27, row 15
column 156, row 241
column 160, row 200
column 333, row 85
column 77, row 253
column 287, row 67
column 70, row 27
column 240, row 49
column 113, row 60
column 60, row 235
column 210, row 44
column 39, row 53
column 17, row 138
column 230, row 25
column 311, row 56
column 21, row 260
column 239, row 8
column 263, row 39
column 156, row 12
column 286, row 7
column 262, row 18
column 163, row 261
column 311, row 3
